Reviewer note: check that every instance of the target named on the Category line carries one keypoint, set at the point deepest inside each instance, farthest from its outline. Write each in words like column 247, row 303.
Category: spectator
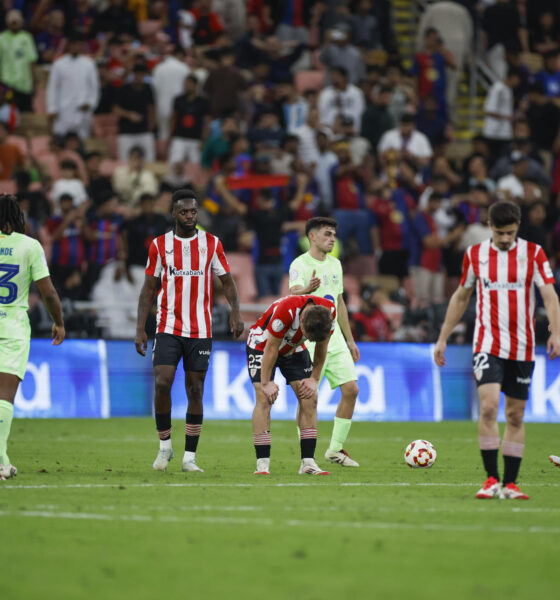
column 39, row 207
column 107, row 91
column 341, row 98
column 134, row 179
column 280, row 57
column 175, row 179
column 99, row 186
column 533, row 227
column 476, row 232
column 207, row 24
column 429, row 68
column 292, row 105
column 9, row 112
column 326, row 161
column 407, row 142
column 17, row 56
column 11, row 157
column 544, row 117
column 477, row 174
column 360, row 148
column 371, row 324
column 502, row 30
column 82, row 18
column 546, row 36
column 307, row 149
column 498, row 110
column 549, row 77
column 233, row 14
column 471, row 205
column 292, row 20
column 338, row 53
column 102, row 232
column 365, row 27
column 135, row 109
column 510, row 187
column 403, row 95
column 267, row 132
column 220, row 143
column 269, row 220
column 392, row 230
column 225, row 85
column 137, row 235
column 189, row 122
column 116, row 20
column 428, row 276
column 52, row 41
column 349, row 201
column 168, row 80
column 377, row 119
column 72, row 91
column 68, row 257
column 69, row 184
column 283, row 157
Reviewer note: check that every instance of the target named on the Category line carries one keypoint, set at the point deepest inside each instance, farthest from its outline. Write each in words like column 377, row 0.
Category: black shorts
column 169, row 349
column 294, row 367
column 513, row 375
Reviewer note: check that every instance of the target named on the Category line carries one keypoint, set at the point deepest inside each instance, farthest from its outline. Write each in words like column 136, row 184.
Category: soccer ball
column 420, row 454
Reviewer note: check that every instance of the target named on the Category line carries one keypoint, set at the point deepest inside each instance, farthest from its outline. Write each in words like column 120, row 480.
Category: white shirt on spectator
column 307, row 149
column 323, row 177
column 73, row 83
column 510, row 183
column 499, row 100
column 417, row 144
column 168, row 83
column 73, row 187
column 349, row 102
column 474, row 234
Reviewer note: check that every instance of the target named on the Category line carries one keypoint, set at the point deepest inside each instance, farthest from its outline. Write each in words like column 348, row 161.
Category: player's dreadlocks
column 11, row 215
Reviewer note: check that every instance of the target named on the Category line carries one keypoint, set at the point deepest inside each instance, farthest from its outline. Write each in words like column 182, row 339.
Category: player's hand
column 141, row 342
column 270, row 391
column 439, row 353
column 553, row 346
column 314, row 283
column 58, row 334
column 236, row 324
column 308, row 387
column 354, row 351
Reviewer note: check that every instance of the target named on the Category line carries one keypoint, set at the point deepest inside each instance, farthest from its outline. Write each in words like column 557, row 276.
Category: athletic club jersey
column 186, row 267
column 281, row 320
column 505, row 305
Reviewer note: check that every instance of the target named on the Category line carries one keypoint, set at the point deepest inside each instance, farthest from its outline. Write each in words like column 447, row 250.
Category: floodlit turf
column 88, row 518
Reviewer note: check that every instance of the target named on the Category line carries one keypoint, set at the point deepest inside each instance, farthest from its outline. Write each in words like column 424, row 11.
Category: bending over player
column 277, row 340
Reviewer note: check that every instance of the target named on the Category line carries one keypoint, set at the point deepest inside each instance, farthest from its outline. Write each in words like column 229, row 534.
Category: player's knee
column 163, row 386
column 488, row 412
column 351, row 391
column 514, row 418
column 194, row 391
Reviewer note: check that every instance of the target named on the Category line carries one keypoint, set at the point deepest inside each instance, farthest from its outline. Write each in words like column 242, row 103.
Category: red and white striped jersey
column 186, row 267
column 281, row 319
column 505, row 305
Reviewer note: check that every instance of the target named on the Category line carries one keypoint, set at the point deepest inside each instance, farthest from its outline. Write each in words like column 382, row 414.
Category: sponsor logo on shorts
column 308, row 369
column 524, row 380
column 204, row 352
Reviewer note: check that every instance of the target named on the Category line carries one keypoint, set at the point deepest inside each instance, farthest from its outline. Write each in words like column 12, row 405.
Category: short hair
column 341, row 71
column 192, row 78
column 504, row 213
column 317, row 322
column 138, row 150
column 435, row 196
column 11, row 215
column 318, row 223
column 183, row 194
column 93, row 154
column 68, row 164
column 145, row 197
column 65, row 197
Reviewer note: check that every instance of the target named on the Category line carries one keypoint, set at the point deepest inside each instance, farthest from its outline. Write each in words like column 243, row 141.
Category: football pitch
column 88, row 518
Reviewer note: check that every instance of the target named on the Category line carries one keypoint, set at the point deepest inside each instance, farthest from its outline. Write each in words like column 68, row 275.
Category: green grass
column 88, row 518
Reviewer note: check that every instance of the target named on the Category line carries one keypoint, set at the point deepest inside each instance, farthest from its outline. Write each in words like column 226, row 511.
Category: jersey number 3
column 7, row 272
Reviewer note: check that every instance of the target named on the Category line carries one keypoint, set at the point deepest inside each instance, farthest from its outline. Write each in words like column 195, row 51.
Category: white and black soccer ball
column 420, row 454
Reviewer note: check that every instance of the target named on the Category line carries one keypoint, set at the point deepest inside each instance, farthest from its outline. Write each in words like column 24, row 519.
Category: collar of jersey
column 494, row 247
column 181, row 239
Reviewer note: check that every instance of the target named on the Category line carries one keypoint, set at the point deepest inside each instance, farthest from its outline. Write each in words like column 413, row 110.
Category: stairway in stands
column 406, row 19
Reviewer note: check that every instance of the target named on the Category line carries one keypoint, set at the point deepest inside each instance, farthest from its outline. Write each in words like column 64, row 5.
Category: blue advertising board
column 398, row 382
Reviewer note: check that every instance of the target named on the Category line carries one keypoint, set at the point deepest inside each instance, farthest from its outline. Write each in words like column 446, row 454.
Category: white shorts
column 184, row 149
column 127, row 141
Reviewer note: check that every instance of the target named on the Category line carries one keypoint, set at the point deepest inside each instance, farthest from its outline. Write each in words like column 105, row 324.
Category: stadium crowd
column 276, row 112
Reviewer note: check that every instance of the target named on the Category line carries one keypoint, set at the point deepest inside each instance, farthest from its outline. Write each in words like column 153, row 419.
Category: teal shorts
column 14, row 355
column 339, row 367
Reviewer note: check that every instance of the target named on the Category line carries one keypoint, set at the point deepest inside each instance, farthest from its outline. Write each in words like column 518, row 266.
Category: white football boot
column 162, row 459
column 490, row 489
column 7, row 472
column 310, row 467
column 340, row 457
column 189, row 463
column 263, row 466
column 555, row 460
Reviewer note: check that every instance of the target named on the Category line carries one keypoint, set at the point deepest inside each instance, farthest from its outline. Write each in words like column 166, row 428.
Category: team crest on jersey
column 203, row 250
column 187, row 249
column 277, row 325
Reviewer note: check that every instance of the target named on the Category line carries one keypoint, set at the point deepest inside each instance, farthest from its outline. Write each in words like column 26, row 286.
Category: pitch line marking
column 250, row 485
column 281, row 523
